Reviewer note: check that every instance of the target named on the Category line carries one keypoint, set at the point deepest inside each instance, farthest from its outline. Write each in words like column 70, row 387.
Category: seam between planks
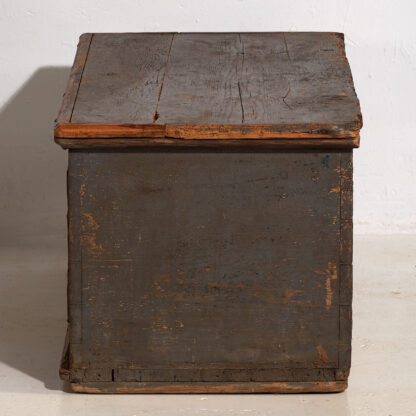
column 80, row 78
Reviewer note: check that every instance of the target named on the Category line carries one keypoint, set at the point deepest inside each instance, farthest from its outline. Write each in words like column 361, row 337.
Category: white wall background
column 38, row 40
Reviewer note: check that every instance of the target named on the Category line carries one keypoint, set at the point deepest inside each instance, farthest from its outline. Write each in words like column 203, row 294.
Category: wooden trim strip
column 205, row 132
column 188, row 376
column 71, row 92
column 260, row 144
column 345, row 264
column 214, row 387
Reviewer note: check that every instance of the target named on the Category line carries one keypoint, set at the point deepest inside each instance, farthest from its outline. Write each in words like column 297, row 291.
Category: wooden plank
column 346, row 279
column 213, row 132
column 201, row 84
column 75, row 193
column 215, row 86
column 297, row 78
column 206, row 144
column 205, row 388
column 160, row 282
column 70, row 95
column 122, row 79
column 228, row 374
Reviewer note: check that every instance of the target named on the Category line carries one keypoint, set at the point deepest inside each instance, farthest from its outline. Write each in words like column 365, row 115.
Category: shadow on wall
column 32, row 235
column 32, row 166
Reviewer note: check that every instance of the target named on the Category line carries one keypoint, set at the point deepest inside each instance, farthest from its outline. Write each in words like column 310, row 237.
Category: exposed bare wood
column 195, row 132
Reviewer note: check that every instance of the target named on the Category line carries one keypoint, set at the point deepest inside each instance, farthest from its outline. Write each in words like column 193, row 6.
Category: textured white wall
column 38, row 40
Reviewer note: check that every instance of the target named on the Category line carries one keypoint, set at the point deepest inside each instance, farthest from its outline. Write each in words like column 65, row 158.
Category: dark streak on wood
column 241, row 102
column 284, row 98
column 156, row 115
column 65, row 368
column 286, row 48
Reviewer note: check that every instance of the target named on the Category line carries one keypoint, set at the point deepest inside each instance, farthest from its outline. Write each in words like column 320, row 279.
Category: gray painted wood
column 122, row 78
column 205, row 265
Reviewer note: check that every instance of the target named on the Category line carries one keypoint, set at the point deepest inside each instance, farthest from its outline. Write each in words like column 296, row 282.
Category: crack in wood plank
column 284, row 99
column 287, row 49
column 241, row 102
column 156, row 114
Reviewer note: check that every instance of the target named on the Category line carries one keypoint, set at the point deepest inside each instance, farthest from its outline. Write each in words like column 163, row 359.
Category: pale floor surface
column 383, row 376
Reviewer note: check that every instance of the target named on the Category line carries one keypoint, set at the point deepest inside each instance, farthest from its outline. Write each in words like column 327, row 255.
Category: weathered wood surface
column 212, row 86
column 345, row 300
column 74, row 82
column 210, row 212
column 204, row 388
column 205, row 266
column 122, row 78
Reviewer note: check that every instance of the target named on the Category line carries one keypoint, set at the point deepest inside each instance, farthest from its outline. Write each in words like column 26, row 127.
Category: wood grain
column 214, row 132
column 201, row 84
column 74, row 82
column 171, row 258
column 295, row 78
column 214, row 86
column 122, row 78
column 346, row 278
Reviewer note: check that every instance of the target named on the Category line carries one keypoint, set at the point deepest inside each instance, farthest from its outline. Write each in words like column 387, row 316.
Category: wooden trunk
column 210, row 213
